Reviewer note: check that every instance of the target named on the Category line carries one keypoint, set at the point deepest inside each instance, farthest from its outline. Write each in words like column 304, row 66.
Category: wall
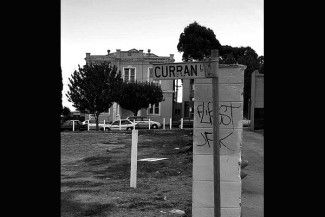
column 257, row 101
column 231, row 83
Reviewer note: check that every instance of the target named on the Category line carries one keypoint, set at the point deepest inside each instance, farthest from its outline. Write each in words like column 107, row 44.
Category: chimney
column 108, row 51
column 87, row 55
column 149, row 51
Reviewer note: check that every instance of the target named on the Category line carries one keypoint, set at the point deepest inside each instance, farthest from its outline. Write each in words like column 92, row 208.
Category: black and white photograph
column 162, row 108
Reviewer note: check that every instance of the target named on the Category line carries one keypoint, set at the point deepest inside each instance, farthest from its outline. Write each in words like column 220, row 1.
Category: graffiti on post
column 226, row 118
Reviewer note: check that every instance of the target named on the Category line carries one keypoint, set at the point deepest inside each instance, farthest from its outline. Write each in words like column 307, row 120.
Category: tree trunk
column 97, row 116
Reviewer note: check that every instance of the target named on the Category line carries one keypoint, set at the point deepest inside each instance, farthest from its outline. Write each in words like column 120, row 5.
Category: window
column 129, row 74
column 116, row 123
column 154, row 109
column 125, row 122
column 150, row 79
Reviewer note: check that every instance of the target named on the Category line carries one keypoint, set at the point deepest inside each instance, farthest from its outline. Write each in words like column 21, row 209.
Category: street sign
column 184, row 70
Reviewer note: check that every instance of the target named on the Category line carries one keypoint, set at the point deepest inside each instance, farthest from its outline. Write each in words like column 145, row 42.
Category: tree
column 196, row 42
column 66, row 113
column 261, row 61
column 136, row 96
column 245, row 56
column 94, row 88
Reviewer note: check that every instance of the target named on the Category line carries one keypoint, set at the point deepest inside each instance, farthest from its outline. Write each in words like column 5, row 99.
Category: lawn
column 95, row 172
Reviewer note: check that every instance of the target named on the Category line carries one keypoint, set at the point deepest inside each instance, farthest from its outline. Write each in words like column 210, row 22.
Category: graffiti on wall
column 226, row 119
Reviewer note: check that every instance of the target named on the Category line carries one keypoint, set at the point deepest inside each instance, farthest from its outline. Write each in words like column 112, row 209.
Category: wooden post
column 149, row 123
column 104, row 125
column 170, row 123
column 120, row 128
column 134, row 158
column 164, row 124
column 88, row 124
column 216, row 147
column 181, row 123
column 73, row 125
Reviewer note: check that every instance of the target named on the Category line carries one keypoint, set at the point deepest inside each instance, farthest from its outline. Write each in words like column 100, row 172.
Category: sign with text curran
column 184, row 70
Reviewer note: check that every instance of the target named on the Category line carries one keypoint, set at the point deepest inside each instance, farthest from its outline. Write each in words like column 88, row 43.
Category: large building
column 135, row 66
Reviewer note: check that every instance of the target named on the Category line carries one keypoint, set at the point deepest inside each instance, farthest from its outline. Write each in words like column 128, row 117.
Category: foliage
column 136, row 96
column 245, row 56
column 94, row 88
column 66, row 113
column 261, row 61
column 196, row 42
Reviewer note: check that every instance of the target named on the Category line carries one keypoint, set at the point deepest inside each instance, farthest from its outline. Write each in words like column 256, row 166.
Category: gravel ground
column 253, row 184
column 95, row 182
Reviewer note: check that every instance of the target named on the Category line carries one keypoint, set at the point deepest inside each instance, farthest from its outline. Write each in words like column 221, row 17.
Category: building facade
column 135, row 65
column 188, row 99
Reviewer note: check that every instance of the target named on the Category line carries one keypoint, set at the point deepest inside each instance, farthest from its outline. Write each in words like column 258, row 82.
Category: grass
column 95, row 176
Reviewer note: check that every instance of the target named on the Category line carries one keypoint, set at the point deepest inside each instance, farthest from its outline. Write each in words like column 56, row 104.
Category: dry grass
column 95, row 174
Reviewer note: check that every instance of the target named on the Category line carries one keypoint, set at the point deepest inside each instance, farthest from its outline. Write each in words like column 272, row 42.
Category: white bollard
column 72, row 125
column 181, row 123
column 134, row 158
column 88, row 124
column 149, row 123
column 104, row 125
column 164, row 124
column 120, row 125
column 170, row 123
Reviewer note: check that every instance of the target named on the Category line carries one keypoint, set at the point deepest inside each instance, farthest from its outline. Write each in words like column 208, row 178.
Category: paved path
column 253, row 184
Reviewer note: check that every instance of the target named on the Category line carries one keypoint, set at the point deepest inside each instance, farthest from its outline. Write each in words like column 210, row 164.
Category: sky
column 95, row 26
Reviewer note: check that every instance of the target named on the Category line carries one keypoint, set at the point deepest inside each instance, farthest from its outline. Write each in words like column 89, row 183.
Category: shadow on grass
column 71, row 208
column 80, row 184
column 97, row 160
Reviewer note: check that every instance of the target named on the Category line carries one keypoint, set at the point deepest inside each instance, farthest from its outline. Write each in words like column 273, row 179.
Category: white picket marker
column 72, row 125
column 88, row 124
column 120, row 125
column 164, row 124
column 181, row 123
column 104, row 125
column 149, row 123
column 170, row 123
column 134, row 158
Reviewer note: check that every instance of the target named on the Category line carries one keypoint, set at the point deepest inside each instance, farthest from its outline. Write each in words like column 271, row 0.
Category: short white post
column 181, row 123
column 134, row 158
column 104, row 125
column 170, row 123
column 149, row 123
column 88, row 125
column 72, row 125
column 120, row 124
column 164, row 124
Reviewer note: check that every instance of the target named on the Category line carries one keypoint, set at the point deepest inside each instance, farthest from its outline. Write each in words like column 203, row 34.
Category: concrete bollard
column 88, row 124
column 181, row 123
column 104, row 125
column 120, row 127
column 72, row 125
column 170, row 123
